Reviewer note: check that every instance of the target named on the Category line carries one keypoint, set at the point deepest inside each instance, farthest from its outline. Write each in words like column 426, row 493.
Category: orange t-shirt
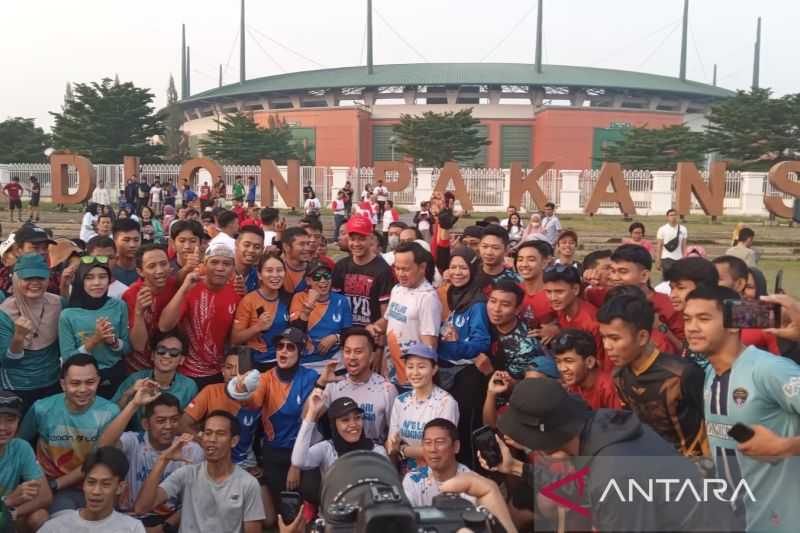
column 211, row 398
column 247, row 315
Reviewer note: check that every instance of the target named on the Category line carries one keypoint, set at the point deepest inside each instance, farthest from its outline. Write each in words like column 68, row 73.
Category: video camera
column 362, row 493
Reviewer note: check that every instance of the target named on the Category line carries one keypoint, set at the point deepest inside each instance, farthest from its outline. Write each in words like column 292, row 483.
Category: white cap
column 6, row 245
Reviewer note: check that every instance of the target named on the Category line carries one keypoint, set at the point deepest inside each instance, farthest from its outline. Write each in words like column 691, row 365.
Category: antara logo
column 716, row 488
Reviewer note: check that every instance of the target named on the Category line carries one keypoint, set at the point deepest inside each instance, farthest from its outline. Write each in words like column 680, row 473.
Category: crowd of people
column 178, row 369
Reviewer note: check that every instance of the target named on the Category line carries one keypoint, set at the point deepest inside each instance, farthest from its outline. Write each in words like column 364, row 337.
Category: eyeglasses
column 288, row 346
column 320, row 275
column 172, row 352
column 89, row 259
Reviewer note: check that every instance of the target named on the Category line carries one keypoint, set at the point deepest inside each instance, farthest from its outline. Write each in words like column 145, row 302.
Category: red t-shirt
column 595, row 295
column 13, row 190
column 667, row 314
column 241, row 212
column 141, row 360
column 760, row 339
column 536, row 310
column 602, row 394
column 206, row 319
column 585, row 319
column 250, row 222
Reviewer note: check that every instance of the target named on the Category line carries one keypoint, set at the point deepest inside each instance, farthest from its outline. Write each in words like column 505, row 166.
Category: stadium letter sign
column 688, row 182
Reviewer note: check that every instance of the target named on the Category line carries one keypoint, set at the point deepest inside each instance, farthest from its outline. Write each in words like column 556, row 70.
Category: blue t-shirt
column 251, row 193
column 17, row 464
column 337, row 317
column 760, row 388
column 284, row 406
column 76, row 325
column 34, row 370
column 65, row 438
column 183, row 388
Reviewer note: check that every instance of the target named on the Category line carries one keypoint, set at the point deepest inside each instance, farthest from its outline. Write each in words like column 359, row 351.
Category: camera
column 362, row 493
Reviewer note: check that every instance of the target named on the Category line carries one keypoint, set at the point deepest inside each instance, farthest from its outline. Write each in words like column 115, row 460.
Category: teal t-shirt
column 183, row 388
column 34, row 370
column 17, row 464
column 65, row 438
column 76, row 325
column 760, row 388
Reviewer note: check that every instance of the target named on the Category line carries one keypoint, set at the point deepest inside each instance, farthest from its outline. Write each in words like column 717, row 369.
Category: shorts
column 34, row 200
column 15, row 203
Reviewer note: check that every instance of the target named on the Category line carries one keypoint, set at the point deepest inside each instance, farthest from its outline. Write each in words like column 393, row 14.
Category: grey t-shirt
column 71, row 521
column 212, row 506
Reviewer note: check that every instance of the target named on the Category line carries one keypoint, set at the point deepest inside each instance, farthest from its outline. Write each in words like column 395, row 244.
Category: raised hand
column 175, row 450
column 498, row 384
column 144, row 300
column 316, row 404
column 23, row 327
column 312, row 298
column 238, row 284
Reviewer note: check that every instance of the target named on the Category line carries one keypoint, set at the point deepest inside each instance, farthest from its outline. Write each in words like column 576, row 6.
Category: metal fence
column 639, row 182
column 360, row 177
column 486, row 186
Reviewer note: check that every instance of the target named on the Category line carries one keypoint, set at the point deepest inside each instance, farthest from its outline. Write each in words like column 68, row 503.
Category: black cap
column 343, row 406
column 294, row 335
column 32, row 233
column 10, row 404
column 315, row 265
column 541, row 415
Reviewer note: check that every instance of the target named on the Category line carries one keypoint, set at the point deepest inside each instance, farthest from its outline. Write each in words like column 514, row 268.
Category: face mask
column 394, row 241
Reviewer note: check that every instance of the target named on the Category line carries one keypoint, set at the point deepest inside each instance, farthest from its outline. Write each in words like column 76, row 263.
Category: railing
column 486, row 186
column 639, row 182
column 360, row 177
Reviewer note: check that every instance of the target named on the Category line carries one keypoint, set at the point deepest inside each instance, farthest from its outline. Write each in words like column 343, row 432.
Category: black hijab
column 459, row 298
column 342, row 446
column 78, row 297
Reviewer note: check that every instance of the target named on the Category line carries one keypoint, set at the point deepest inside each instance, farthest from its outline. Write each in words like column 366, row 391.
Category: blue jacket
column 472, row 325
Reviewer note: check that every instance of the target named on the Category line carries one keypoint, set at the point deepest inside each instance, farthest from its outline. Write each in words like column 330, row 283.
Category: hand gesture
column 326, row 343
column 175, row 450
column 499, row 383
column 293, row 478
column 327, row 375
column 316, row 404
column 23, row 327
column 393, row 444
column 547, row 332
column 374, row 330
column 238, row 284
column 280, row 226
column 194, row 277
column 146, row 393
column 506, row 463
column 107, row 331
column 790, row 309
column 68, row 274
column 264, row 321
column 193, row 259
column 312, row 298
column 298, row 526
column 144, row 300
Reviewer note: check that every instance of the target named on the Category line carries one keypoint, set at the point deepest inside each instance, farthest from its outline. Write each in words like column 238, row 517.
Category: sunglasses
column 320, row 275
column 172, row 352
column 89, row 259
column 288, row 346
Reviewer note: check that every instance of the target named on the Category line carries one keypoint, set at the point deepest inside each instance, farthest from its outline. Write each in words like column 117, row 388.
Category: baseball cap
column 540, row 363
column 293, row 335
column 219, row 250
column 10, row 404
column 359, row 224
column 541, row 415
column 31, row 266
column 32, row 233
column 419, row 349
column 343, row 406
column 315, row 265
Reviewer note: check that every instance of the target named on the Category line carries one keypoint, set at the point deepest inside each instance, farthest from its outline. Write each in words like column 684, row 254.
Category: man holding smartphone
column 748, row 386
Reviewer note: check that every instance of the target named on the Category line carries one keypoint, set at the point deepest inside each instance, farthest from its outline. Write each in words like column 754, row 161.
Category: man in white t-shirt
column 440, row 445
column 670, row 242
column 104, row 480
column 551, row 225
column 381, row 193
column 414, row 312
column 156, row 198
column 371, row 391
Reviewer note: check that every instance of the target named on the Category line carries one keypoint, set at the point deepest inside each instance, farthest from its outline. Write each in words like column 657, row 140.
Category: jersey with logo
column 366, row 286
column 65, row 439
column 760, row 388
column 375, row 396
column 421, row 487
column 410, row 414
column 324, row 320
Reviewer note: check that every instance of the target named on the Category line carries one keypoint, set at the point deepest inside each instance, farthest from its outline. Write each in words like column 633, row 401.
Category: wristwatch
column 663, row 328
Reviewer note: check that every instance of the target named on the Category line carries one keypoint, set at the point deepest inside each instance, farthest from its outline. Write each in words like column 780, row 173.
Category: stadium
column 529, row 112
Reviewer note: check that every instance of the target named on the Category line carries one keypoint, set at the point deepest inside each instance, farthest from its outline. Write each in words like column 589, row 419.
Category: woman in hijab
column 533, row 230
column 463, row 339
column 29, row 333
column 347, row 434
column 96, row 324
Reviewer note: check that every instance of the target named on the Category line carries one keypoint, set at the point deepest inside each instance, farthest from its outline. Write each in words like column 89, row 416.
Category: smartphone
column 340, row 371
column 745, row 314
column 741, row 433
column 290, row 505
column 484, row 439
column 245, row 359
column 779, row 282
column 260, row 311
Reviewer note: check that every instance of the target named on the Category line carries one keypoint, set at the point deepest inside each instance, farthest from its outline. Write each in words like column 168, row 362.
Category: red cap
column 359, row 224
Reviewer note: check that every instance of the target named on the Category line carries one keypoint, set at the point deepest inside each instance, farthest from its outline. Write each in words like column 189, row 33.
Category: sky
column 46, row 43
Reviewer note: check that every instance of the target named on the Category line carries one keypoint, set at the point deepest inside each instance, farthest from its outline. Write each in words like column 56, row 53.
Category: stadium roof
column 456, row 74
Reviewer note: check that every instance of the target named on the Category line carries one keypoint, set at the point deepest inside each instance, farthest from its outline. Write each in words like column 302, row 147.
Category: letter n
column 779, row 178
column 711, row 198
column 288, row 188
column 451, row 172
column 59, row 165
column 530, row 183
column 610, row 174
column 403, row 174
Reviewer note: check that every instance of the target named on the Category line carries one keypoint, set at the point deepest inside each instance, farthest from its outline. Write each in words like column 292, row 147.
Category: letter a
column 610, row 174
column 451, row 172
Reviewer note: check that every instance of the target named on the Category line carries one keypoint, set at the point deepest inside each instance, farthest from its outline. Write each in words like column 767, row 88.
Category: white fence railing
column 488, row 188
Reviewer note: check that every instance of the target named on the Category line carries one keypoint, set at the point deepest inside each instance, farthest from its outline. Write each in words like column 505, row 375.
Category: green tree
column 239, row 140
column 431, row 139
column 176, row 141
column 753, row 130
column 106, row 121
column 657, row 148
column 21, row 141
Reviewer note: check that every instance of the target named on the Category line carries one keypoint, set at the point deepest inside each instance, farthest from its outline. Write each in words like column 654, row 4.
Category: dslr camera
column 362, row 493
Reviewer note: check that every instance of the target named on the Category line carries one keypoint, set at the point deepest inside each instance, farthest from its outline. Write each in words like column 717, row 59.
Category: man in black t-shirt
column 364, row 277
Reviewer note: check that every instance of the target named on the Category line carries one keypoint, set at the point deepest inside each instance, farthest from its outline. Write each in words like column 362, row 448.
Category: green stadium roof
column 463, row 74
